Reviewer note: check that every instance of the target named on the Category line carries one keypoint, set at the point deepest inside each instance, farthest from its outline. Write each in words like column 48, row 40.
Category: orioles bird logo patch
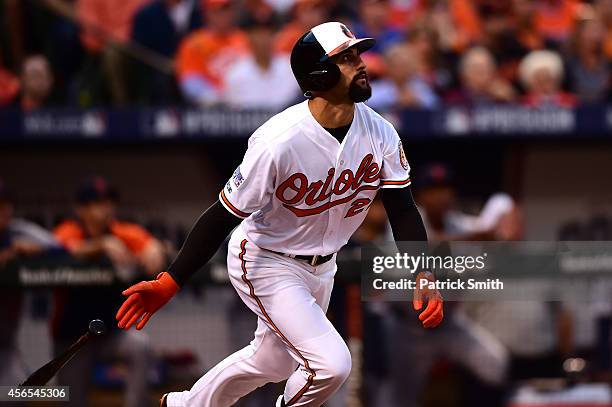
column 402, row 156
column 346, row 31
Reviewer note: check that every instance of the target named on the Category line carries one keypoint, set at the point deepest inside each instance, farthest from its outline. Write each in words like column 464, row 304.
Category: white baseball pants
column 294, row 339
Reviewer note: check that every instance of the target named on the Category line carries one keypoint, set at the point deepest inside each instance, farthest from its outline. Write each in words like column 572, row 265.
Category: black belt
column 312, row 260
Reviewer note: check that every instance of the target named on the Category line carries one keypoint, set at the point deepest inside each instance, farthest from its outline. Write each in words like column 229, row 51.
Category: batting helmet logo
column 346, row 31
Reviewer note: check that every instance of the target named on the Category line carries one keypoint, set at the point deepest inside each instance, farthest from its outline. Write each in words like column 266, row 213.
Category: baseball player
column 305, row 184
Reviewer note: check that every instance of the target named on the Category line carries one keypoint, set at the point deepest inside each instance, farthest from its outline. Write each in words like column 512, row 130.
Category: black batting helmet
column 310, row 56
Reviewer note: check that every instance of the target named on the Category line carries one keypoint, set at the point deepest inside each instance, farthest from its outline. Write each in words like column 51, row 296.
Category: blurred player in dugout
column 95, row 235
column 18, row 239
column 482, row 359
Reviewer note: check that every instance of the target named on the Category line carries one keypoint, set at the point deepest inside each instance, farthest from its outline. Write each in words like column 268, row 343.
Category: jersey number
column 357, row 206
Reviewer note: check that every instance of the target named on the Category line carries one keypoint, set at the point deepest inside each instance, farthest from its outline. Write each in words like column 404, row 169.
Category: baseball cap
column 433, row 175
column 335, row 37
column 94, row 189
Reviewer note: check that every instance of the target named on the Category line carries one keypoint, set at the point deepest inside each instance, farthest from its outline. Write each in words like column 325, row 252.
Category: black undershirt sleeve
column 406, row 222
column 207, row 234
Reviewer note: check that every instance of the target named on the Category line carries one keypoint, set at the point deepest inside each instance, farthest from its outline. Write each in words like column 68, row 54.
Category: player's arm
column 407, row 226
column 248, row 190
column 207, row 234
column 404, row 217
column 406, row 221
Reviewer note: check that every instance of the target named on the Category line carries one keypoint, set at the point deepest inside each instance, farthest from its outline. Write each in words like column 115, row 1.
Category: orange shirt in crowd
column 113, row 16
column 207, row 54
column 557, row 20
column 464, row 17
column 70, row 234
column 287, row 37
column 404, row 13
column 608, row 44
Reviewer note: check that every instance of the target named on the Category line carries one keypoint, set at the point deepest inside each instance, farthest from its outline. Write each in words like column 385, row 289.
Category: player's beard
column 358, row 93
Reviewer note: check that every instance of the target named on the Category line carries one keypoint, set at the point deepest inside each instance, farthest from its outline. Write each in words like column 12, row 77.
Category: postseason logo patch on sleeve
column 402, row 156
column 237, row 178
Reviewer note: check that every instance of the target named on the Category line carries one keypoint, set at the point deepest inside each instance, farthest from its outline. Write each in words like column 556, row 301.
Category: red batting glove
column 434, row 312
column 144, row 299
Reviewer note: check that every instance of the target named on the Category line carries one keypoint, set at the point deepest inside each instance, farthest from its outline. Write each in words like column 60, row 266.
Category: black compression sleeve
column 209, row 231
column 405, row 219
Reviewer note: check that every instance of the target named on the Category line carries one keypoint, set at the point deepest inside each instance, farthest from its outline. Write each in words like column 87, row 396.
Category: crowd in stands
column 83, row 53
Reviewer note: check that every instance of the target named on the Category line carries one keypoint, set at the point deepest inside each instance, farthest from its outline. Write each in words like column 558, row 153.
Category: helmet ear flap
column 325, row 77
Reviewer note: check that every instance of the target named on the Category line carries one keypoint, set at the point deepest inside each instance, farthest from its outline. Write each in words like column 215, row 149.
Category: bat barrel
column 45, row 373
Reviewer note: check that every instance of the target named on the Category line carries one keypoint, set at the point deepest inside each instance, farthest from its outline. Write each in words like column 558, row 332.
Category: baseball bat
column 45, row 373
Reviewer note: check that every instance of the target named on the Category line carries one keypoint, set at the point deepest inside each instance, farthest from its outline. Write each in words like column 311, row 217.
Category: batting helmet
column 310, row 56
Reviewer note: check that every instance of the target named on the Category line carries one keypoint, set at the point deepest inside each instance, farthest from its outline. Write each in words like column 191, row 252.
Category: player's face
column 354, row 78
column 97, row 213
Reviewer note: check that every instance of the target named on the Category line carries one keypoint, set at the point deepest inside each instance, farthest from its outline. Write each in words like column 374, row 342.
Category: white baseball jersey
column 301, row 191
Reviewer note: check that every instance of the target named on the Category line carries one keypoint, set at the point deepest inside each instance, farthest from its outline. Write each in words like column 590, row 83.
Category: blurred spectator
column 603, row 9
column 404, row 85
column 500, row 36
column 404, row 12
column 458, row 339
column 93, row 236
column 527, row 33
column 306, row 14
column 113, row 17
column 374, row 16
column 36, row 83
column 103, row 19
column 507, row 323
column 589, row 69
column 546, row 324
column 541, row 73
column 206, row 54
column 26, row 29
column 455, row 22
column 97, row 232
column 248, row 82
column 436, row 66
column 9, row 87
column 279, row 6
column 480, row 82
column 436, row 194
column 554, row 19
column 18, row 238
column 160, row 26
